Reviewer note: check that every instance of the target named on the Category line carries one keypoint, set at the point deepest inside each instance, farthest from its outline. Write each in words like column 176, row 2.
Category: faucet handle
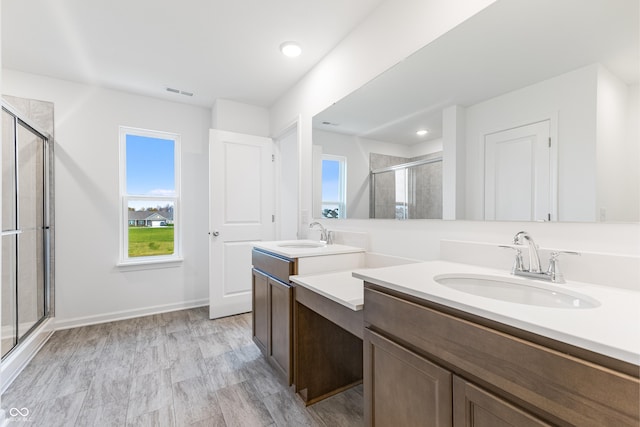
column 517, row 264
column 554, row 265
column 556, row 254
column 329, row 237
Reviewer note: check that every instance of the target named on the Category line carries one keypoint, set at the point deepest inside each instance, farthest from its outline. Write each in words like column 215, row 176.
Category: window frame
column 342, row 183
column 124, row 198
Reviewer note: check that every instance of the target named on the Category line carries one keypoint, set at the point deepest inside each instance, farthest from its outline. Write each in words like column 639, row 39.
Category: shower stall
column 411, row 190
column 26, row 231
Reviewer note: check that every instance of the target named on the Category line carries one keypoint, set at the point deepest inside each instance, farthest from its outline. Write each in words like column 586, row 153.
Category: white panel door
column 518, row 174
column 241, row 203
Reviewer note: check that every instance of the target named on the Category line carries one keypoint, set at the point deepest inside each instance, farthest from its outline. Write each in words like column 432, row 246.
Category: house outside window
column 150, row 196
column 334, row 186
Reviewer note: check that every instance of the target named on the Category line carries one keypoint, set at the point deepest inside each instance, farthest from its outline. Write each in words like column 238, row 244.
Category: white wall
column 453, row 162
column 235, row 116
column 395, row 30
column 425, row 147
column 89, row 286
column 569, row 101
column 287, row 179
column 618, row 142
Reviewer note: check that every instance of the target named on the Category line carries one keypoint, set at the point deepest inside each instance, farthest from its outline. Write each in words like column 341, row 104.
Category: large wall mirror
column 528, row 111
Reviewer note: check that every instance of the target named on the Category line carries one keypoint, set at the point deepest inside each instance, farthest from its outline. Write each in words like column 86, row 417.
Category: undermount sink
column 516, row 291
column 302, row 244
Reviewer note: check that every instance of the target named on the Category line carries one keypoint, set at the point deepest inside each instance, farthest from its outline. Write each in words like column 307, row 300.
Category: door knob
column 215, row 233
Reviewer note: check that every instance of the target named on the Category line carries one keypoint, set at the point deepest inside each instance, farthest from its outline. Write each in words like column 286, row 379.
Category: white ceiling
column 213, row 48
column 508, row 45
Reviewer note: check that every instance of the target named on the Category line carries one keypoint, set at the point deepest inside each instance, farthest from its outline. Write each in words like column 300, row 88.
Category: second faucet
column 325, row 234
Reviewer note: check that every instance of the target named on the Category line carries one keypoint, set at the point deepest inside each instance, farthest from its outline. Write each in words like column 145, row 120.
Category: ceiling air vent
column 179, row 92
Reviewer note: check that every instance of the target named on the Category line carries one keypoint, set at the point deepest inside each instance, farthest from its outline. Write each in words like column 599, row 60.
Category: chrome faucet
column 553, row 273
column 325, row 235
column 534, row 259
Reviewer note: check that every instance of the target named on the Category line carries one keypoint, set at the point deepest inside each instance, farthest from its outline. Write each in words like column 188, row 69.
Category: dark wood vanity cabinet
column 403, row 388
column 280, row 329
column 272, row 309
column 260, row 310
column 476, row 407
column 429, row 365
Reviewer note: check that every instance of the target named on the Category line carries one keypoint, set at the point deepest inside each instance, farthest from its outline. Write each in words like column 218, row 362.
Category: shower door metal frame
column 46, row 226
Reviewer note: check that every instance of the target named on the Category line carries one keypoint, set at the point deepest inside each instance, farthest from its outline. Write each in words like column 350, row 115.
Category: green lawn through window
column 148, row 241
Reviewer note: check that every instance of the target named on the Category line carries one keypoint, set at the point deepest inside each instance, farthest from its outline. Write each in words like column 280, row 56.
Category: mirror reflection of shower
column 406, row 188
column 25, row 227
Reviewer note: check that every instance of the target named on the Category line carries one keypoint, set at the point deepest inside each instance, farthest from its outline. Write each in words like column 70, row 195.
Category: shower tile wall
column 427, row 182
column 425, row 188
column 383, row 200
column 31, row 301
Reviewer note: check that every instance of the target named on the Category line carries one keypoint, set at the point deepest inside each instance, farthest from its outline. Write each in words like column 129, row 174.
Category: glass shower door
column 31, row 222
column 24, row 230
column 389, row 194
column 9, row 236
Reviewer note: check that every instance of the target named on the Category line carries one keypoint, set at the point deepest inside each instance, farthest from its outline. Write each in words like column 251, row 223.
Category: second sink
column 302, row 244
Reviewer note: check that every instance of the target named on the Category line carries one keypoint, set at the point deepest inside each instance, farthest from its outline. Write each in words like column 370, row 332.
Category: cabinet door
column 260, row 310
column 475, row 407
column 280, row 320
column 402, row 388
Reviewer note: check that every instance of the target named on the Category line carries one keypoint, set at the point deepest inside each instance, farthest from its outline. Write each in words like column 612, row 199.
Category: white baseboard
column 127, row 314
column 18, row 359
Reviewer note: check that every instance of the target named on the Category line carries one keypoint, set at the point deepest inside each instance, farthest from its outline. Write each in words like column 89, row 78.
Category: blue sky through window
column 330, row 180
column 150, row 166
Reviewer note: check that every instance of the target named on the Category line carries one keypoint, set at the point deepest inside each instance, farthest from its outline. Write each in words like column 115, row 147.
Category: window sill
column 150, row 264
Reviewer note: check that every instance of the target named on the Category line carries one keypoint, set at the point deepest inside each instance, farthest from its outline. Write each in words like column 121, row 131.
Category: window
column 334, row 184
column 150, row 196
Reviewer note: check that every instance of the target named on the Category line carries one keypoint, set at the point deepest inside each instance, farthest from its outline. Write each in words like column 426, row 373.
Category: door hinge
column 273, row 218
column 273, row 157
column 548, row 217
column 549, row 142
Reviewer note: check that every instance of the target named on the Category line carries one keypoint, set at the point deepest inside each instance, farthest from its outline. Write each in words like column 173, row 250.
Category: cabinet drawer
column 280, row 268
column 558, row 387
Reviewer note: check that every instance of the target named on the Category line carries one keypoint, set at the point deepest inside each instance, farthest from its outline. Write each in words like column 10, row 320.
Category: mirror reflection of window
column 334, row 185
column 402, row 196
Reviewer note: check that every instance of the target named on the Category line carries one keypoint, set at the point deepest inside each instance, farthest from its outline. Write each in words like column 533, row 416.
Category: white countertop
column 612, row 328
column 340, row 287
column 302, row 252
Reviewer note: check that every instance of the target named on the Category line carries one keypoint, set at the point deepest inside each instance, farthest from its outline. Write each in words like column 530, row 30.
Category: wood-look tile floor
column 169, row 369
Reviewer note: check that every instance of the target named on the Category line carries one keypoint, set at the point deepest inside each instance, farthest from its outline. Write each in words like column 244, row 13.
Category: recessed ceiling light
column 290, row 49
column 422, row 132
